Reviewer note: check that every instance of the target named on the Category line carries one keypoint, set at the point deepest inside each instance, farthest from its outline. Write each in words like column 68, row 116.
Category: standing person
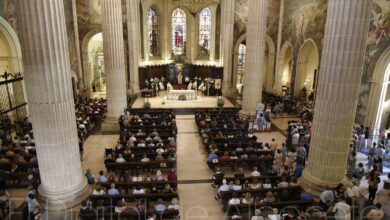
column 81, row 148
column 366, row 136
column 33, row 207
column 371, row 155
column 373, row 182
column 267, row 117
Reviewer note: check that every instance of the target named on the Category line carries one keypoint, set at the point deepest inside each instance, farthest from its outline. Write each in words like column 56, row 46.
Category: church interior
column 195, row 109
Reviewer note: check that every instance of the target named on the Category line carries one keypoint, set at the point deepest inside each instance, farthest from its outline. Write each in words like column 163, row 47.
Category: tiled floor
column 197, row 199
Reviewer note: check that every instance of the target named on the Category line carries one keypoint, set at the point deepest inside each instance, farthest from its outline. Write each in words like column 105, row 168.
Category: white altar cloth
column 174, row 95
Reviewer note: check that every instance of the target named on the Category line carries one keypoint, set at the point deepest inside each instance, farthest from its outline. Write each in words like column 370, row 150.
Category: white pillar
column 77, row 42
column 255, row 52
column 50, row 100
column 114, row 61
column 134, row 30
column 278, row 81
column 227, row 32
column 340, row 74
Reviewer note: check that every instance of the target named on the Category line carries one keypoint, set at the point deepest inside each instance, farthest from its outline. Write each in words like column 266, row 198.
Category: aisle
column 195, row 191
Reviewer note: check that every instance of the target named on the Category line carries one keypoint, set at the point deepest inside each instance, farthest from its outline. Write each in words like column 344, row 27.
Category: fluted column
column 114, row 58
column 50, row 100
column 255, row 52
column 278, row 82
column 134, row 30
column 227, row 20
column 334, row 114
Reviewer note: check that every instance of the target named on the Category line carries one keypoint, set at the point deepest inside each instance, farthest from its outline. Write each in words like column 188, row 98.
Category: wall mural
column 241, row 18
column 378, row 41
column 9, row 12
column 303, row 19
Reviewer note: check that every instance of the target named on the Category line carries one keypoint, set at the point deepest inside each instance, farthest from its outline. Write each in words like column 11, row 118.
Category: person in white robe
column 189, row 87
column 169, row 86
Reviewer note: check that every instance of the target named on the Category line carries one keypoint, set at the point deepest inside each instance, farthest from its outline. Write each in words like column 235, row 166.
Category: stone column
column 277, row 85
column 227, row 29
column 334, row 114
column 255, row 52
column 50, row 100
column 134, row 30
column 114, row 62
column 77, row 43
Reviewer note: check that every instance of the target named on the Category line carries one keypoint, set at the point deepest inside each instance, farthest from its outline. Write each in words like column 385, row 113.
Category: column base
column 110, row 124
column 60, row 201
column 313, row 185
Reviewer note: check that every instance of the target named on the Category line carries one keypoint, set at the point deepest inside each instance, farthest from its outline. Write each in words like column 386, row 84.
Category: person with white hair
column 174, row 204
column 257, row 215
column 222, row 188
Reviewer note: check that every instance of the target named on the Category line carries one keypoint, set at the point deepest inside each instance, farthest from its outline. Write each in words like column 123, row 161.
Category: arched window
column 153, row 32
column 205, row 31
column 241, row 57
column 178, row 31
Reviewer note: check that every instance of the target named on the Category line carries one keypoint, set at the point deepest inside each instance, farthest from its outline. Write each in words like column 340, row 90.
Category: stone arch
column 307, row 67
column 282, row 74
column 15, row 50
column 87, row 75
column 378, row 92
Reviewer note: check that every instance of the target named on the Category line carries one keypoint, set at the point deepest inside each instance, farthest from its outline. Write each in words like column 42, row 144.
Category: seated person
column 256, row 184
column 284, row 183
column 99, row 191
column 159, row 176
column 267, row 184
column 174, row 204
column 168, row 188
column 120, row 159
column 248, row 199
column 234, row 200
column 113, row 191
column 145, row 158
column 138, row 190
column 255, row 172
column 225, row 156
column 172, row 176
column 120, row 207
column 270, row 197
column 160, row 206
column 237, row 185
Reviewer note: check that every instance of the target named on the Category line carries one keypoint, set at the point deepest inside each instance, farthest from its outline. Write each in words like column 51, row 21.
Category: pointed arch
column 205, row 31
column 153, row 28
column 307, row 67
column 179, row 31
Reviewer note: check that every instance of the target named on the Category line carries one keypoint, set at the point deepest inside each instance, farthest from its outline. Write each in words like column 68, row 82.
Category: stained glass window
column 205, row 31
column 241, row 57
column 178, row 31
column 153, row 32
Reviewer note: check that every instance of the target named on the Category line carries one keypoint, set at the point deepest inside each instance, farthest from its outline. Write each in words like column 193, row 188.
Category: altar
column 181, row 95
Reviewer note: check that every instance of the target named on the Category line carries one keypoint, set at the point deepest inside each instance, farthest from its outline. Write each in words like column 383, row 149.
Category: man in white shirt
column 102, row 178
column 342, row 211
column 120, row 159
column 234, row 200
column 255, row 173
column 295, row 138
